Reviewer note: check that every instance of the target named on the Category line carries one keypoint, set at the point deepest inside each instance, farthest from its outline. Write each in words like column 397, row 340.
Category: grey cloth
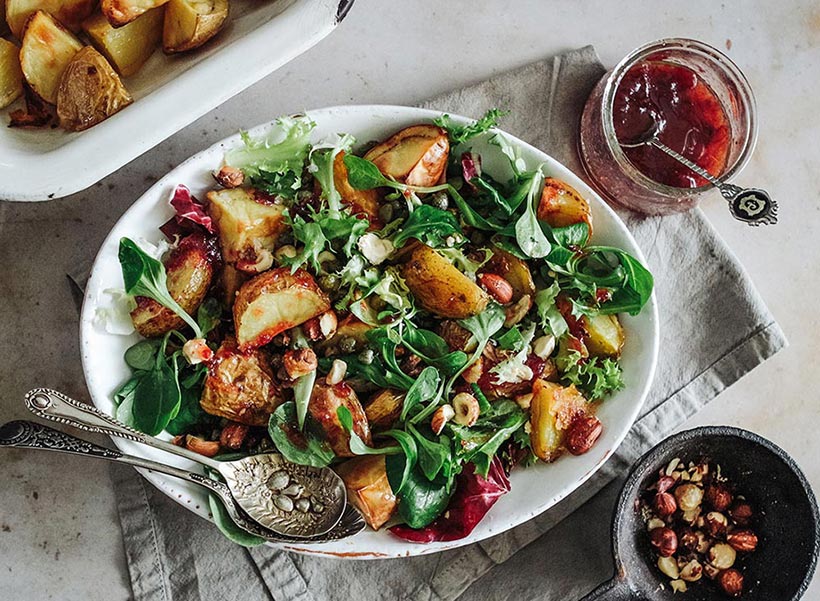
column 714, row 329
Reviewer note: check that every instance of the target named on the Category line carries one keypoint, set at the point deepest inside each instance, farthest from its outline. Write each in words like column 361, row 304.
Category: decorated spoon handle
column 55, row 406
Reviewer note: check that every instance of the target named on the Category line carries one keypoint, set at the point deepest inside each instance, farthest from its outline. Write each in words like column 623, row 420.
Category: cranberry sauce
column 692, row 119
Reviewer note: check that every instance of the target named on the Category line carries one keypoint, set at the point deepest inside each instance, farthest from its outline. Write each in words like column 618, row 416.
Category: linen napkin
column 714, row 329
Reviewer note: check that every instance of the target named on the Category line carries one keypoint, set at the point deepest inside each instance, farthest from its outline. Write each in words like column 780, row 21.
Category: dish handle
column 615, row 589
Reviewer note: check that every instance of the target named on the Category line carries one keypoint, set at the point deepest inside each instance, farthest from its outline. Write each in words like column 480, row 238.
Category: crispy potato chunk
column 248, row 226
column 11, row 76
column 189, row 268
column 127, row 47
column 240, row 386
column 362, row 202
column 120, row 12
column 512, row 269
column 273, row 302
column 605, row 336
column 90, row 91
column 45, row 53
column 384, row 408
column 325, row 400
column 416, row 155
column 441, row 288
column 70, row 13
column 553, row 408
column 368, row 489
column 191, row 23
column 561, row 205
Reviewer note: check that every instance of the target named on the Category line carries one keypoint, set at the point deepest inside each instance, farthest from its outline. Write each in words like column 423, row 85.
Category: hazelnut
column 692, row 571
column 472, row 374
column 731, row 582
column 691, row 516
column 677, row 586
column 664, row 540
column 741, row 513
column 233, row 435
column 688, row 540
column 688, row 496
column 721, row 556
column 718, row 497
column 208, row 448
column 582, row 433
column 441, row 416
column 299, row 362
column 744, row 541
column 669, row 567
column 664, row 504
column 655, row 523
column 716, row 524
column 337, row 372
column 664, row 483
column 466, row 409
column 229, row 177
column 499, row 288
column 710, row 571
column 703, row 542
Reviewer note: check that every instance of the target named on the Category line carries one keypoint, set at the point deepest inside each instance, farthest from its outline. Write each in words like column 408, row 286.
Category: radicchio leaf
column 190, row 215
column 470, row 166
column 472, row 500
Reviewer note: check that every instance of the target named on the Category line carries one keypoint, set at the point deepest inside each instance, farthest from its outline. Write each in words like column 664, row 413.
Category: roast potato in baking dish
column 189, row 271
column 191, row 23
column 90, row 91
column 440, row 288
column 127, row 47
column 368, row 489
column 416, row 155
column 46, row 50
column 11, row 76
column 240, row 386
column 120, row 12
column 325, row 401
column 70, row 13
column 273, row 302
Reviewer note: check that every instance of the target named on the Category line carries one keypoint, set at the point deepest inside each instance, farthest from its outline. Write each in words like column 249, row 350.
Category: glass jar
column 604, row 160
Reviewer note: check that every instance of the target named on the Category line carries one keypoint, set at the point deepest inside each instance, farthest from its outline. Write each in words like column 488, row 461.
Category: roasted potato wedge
column 273, row 302
column 240, row 386
column 325, row 400
column 441, row 288
column 561, row 205
column 11, row 76
column 384, row 408
column 121, row 12
column 127, row 47
column 191, row 23
column 512, row 269
column 362, row 202
column 70, row 13
column 605, row 336
column 416, row 155
column 90, row 91
column 248, row 226
column 189, row 270
column 365, row 478
column 552, row 410
column 45, row 53
column 230, row 281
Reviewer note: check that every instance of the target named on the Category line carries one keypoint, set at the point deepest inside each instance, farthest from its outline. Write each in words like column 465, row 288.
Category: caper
column 366, row 356
column 386, row 213
column 329, row 282
column 439, row 200
column 347, row 344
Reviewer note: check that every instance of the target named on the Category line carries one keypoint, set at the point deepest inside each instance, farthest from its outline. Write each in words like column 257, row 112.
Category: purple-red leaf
column 470, row 166
column 472, row 500
column 189, row 217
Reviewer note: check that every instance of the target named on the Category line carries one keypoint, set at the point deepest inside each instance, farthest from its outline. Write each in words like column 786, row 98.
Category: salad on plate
column 418, row 315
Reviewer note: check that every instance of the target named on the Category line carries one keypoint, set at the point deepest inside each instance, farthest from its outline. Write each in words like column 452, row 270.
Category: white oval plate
column 534, row 490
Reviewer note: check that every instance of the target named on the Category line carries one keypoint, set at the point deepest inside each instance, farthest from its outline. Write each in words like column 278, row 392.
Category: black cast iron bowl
column 786, row 522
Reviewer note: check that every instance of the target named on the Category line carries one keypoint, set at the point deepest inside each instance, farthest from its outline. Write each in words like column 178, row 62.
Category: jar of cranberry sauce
column 704, row 107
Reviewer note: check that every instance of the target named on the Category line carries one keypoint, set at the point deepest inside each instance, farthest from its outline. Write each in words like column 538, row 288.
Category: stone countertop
column 59, row 535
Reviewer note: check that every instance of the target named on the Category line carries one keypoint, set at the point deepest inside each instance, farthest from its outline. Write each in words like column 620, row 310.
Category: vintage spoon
column 292, row 500
column 25, row 434
column 752, row 205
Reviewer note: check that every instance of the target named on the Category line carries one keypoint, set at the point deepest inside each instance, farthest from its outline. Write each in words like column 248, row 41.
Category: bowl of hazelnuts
column 714, row 513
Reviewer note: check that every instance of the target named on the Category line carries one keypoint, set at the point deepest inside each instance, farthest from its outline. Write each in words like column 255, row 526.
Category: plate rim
column 398, row 111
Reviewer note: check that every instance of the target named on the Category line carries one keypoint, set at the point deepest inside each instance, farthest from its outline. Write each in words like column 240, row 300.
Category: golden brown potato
column 605, row 336
column 191, row 23
column 248, row 225
column 362, row 202
column 240, row 386
column 416, row 155
column 325, row 401
column 230, row 281
column 349, row 328
column 127, row 47
column 120, row 12
column 45, row 53
column 561, row 205
column 512, row 269
column 441, row 288
column 189, row 271
column 552, row 410
column 384, row 408
column 11, row 76
column 70, row 13
column 90, row 91
column 368, row 489
column 273, row 302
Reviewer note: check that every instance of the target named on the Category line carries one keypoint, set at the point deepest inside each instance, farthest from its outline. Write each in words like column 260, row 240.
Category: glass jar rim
column 746, row 96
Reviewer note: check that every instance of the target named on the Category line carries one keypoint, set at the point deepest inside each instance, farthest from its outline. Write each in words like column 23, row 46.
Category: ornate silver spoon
column 291, row 500
column 752, row 205
column 25, row 434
